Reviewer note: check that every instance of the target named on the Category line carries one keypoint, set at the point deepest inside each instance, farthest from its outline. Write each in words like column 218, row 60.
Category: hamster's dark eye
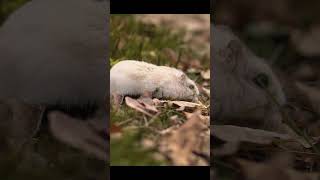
column 191, row 86
column 261, row 80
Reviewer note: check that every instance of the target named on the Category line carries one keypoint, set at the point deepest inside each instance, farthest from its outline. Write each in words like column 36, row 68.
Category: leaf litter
column 181, row 142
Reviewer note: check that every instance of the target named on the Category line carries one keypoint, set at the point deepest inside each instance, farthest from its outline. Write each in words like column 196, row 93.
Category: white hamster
column 55, row 51
column 245, row 88
column 130, row 77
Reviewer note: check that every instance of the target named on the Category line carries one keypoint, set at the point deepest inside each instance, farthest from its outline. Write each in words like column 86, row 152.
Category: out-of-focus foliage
column 8, row 6
column 130, row 39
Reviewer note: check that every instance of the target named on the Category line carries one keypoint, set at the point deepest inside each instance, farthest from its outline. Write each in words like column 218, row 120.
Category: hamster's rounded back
column 54, row 51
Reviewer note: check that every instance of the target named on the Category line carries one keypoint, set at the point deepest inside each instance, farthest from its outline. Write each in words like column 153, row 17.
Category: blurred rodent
column 55, row 52
column 245, row 89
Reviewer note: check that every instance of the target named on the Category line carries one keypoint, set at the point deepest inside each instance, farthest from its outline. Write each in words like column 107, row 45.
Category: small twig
column 292, row 125
column 145, row 121
column 141, row 48
column 115, row 49
column 154, row 118
column 124, row 122
column 179, row 58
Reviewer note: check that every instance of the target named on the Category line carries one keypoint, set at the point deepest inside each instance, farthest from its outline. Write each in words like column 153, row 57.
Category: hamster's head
column 252, row 72
column 246, row 90
column 189, row 89
column 263, row 78
column 179, row 87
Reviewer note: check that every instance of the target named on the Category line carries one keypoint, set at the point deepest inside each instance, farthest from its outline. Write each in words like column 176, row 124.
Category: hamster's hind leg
column 117, row 100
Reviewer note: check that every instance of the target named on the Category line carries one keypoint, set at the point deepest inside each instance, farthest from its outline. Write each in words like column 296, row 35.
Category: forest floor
column 140, row 138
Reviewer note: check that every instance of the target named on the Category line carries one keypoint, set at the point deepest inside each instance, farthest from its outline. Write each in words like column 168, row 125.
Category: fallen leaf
column 146, row 109
column 231, row 133
column 206, row 91
column 205, row 74
column 78, row 134
column 184, row 104
column 193, row 70
column 148, row 104
column 226, row 149
column 181, row 144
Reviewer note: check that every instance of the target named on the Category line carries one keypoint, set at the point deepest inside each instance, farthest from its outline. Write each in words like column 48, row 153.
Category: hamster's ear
column 234, row 50
column 232, row 53
column 182, row 77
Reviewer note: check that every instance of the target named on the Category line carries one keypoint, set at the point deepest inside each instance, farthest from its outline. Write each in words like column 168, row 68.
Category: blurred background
column 44, row 157
column 8, row 6
column 286, row 33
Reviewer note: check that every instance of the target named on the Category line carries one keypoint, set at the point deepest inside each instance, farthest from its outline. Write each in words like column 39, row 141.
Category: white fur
column 55, row 51
column 130, row 77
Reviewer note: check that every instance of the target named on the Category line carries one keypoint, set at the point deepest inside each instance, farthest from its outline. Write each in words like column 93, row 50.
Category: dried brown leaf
column 231, row 133
column 180, row 144
column 184, row 105
column 145, row 108
column 205, row 74
column 78, row 134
